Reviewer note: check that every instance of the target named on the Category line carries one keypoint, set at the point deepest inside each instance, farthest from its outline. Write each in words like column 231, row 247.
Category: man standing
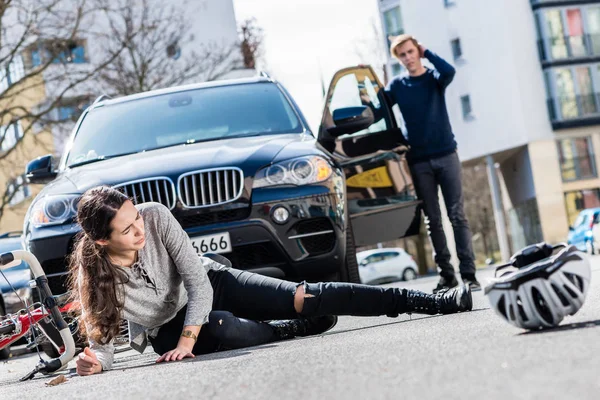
column 432, row 158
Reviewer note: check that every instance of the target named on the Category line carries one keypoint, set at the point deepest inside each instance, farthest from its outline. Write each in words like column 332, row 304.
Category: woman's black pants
column 243, row 300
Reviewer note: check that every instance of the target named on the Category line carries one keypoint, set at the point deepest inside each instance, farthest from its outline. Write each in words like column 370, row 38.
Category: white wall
column 212, row 20
column 518, row 177
column 501, row 70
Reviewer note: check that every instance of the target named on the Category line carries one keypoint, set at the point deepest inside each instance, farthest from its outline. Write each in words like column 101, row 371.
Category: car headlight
column 297, row 171
column 54, row 210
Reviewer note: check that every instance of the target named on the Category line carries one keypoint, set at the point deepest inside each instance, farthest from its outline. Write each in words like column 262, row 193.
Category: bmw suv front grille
column 210, row 187
column 158, row 189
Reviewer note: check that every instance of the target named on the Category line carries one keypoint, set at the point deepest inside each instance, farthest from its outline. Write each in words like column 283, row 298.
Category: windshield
column 179, row 118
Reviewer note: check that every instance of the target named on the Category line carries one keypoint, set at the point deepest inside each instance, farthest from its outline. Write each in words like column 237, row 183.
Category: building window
column 72, row 108
column 574, row 92
column 392, row 21
column 576, row 157
column 13, row 72
column 467, row 111
column 397, row 69
column 449, row 3
column 578, row 200
column 10, row 135
column 593, row 28
column 456, row 49
column 70, row 52
column 17, row 191
column 174, row 51
column 569, row 32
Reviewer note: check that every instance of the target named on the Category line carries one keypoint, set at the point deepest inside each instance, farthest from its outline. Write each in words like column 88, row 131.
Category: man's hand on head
column 422, row 50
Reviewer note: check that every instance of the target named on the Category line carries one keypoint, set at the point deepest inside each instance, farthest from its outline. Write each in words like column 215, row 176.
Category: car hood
column 249, row 154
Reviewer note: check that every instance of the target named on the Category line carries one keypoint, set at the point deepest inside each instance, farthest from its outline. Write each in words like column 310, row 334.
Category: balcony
column 566, row 49
column 573, row 111
column 535, row 4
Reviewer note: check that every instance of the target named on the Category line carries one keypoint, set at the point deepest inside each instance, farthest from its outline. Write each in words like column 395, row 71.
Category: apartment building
column 525, row 101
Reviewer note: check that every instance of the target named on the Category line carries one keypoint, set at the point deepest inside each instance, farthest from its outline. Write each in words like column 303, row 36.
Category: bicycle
column 38, row 319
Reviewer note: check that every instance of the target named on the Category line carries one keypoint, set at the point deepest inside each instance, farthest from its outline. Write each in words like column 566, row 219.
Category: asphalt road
column 461, row 356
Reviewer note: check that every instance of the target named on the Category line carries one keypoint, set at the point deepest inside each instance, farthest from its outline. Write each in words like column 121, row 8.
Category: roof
column 182, row 88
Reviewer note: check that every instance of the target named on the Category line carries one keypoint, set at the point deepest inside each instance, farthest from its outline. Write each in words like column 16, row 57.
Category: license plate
column 217, row 243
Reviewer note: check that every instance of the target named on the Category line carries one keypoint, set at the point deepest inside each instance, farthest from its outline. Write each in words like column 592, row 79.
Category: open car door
column 359, row 128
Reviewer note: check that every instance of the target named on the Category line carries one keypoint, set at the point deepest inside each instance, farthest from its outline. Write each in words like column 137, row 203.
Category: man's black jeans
column 445, row 172
column 243, row 299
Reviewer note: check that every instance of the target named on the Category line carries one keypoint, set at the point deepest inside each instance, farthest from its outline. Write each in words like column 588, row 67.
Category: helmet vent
column 502, row 307
column 542, row 306
column 521, row 309
column 560, row 295
column 575, row 280
column 511, row 312
column 570, row 291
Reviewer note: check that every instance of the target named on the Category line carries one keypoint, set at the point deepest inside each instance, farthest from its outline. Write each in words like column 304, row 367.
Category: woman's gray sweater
column 168, row 275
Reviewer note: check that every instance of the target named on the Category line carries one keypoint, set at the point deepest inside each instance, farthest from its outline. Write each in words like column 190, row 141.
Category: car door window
column 355, row 87
column 389, row 255
column 358, row 89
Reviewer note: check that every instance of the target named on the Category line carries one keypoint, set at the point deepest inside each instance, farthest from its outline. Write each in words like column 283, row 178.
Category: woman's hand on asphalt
column 87, row 363
column 179, row 353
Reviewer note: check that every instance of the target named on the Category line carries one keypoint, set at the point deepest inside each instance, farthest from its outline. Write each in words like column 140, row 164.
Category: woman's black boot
column 446, row 301
column 291, row 328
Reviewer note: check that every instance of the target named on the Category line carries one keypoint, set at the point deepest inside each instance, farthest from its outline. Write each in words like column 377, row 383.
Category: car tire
column 409, row 274
column 5, row 352
column 349, row 270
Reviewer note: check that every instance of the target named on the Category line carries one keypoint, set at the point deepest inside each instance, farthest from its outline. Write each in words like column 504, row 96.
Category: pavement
column 461, row 356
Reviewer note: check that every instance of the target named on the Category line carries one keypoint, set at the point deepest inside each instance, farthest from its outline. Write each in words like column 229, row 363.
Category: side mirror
column 363, row 263
column 571, row 229
column 351, row 119
column 40, row 170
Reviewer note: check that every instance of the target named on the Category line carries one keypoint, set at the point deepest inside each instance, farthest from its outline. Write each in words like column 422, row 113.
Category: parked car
column 18, row 276
column 386, row 265
column 240, row 169
column 581, row 234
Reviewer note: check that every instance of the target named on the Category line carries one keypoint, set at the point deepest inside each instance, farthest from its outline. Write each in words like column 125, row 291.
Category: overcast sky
column 305, row 39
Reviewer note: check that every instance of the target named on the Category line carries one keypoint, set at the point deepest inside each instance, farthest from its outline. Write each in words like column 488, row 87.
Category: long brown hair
column 94, row 281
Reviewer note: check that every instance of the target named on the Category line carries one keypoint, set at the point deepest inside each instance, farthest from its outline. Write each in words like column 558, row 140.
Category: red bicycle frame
column 14, row 327
column 23, row 321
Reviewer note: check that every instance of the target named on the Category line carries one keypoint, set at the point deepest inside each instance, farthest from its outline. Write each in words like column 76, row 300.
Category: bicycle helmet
column 542, row 287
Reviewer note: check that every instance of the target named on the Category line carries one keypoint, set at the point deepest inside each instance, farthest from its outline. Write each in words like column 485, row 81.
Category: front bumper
column 309, row 246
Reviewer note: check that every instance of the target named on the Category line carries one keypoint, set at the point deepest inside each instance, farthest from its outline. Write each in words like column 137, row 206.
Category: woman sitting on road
column 137, row 263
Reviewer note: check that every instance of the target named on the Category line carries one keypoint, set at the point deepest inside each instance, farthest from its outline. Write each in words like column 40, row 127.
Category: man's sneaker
column 473, row 284
column 445, row 283
column 446, row 301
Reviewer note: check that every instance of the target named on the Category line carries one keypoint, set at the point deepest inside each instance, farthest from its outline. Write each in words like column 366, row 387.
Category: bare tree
column 371, row 49
column 251, row 42
column 159, row 51
column 478, row 202
column 40, row 45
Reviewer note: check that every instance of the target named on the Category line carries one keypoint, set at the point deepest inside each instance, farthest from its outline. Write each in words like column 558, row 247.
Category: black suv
column 238, row 166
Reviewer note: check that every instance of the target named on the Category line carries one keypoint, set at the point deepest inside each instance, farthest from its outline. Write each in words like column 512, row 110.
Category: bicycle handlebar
column 10, row 259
